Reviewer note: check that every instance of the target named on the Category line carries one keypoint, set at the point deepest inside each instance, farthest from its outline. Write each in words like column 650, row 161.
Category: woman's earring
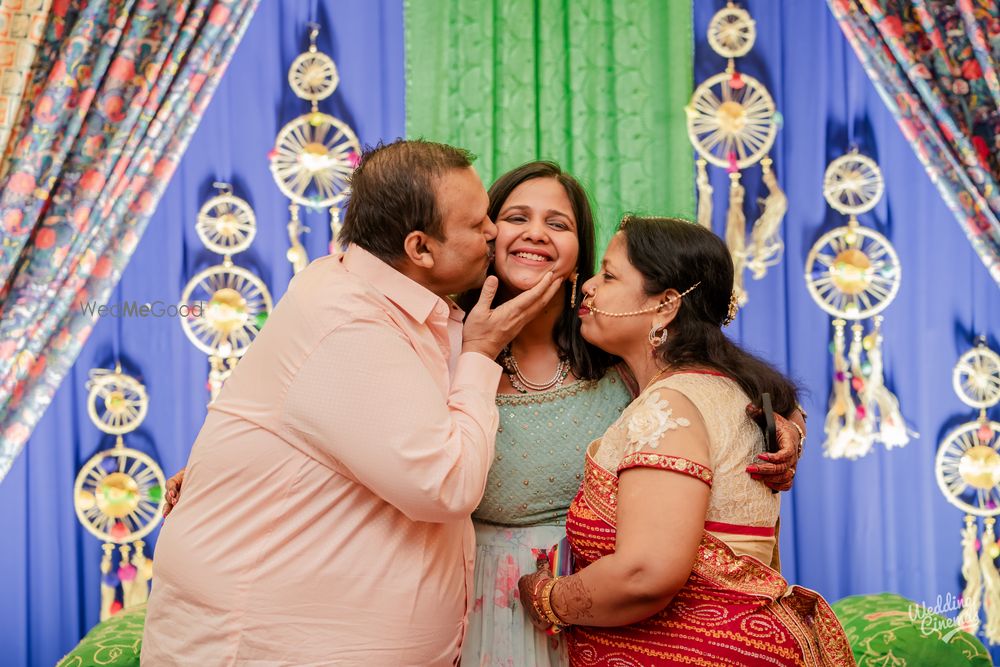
column 657, row 336
column 572, row 292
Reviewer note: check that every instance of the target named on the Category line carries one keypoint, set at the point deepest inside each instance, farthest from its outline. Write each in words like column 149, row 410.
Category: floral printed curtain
column 116, row 91
column 935, row 63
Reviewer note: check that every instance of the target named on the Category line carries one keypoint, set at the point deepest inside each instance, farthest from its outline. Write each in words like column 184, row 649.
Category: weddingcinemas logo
column 135, row 309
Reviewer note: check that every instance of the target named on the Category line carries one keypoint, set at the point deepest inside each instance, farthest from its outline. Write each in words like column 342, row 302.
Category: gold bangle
column 802, row 435
column 546, row 600
column 535, row 604
column 805, row 416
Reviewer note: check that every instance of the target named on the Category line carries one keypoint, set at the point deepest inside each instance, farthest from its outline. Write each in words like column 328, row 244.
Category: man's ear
column 417, row 249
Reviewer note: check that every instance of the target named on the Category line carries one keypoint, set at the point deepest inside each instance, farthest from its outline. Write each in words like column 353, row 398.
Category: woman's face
column 536, row 233
column 617, row 288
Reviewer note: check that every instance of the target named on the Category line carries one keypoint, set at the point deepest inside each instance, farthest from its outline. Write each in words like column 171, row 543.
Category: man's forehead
column 458, row 190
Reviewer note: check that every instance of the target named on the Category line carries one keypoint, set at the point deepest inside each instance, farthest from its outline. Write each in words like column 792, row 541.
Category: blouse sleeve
column 666, row 431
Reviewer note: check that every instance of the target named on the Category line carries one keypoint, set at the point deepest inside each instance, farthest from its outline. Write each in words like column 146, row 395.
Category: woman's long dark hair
column 672, row 253
column 586, row 361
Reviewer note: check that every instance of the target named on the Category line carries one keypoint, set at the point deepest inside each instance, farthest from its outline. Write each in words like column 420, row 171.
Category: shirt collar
column 415, row 299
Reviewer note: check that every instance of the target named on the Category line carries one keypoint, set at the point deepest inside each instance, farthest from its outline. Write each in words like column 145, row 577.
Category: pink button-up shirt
column 324, row 518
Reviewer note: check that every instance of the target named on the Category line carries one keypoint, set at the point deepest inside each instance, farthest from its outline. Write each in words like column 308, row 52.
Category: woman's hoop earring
column 657, row 336
column 572, row 292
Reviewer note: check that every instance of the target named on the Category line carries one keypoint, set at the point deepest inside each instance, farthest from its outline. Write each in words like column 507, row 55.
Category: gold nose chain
column 589, row 303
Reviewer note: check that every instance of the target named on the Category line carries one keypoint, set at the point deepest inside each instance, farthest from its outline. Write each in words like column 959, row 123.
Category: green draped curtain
column 599, row 86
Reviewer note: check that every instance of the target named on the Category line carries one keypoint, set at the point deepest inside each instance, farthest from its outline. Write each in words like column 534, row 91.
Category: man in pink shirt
column 325, row 514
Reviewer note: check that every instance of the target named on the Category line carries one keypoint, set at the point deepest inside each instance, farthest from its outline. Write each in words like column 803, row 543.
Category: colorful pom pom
column 733, row 163
column 119, row 530
column 155, row 493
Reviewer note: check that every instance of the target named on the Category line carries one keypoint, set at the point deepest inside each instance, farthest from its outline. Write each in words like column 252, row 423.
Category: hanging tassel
column 839, row 438
column 843, row 437
column 704, row 195
column 736, row 234
column 862, row 419
column 140, row 586
column 216, row 376
column 109, row 583
column 972, row 595
column 991, row 578
column 766, row 244
column 337, row 221
column 891, row 428
column 296, row 254
column 335, row 224
column 126, row 574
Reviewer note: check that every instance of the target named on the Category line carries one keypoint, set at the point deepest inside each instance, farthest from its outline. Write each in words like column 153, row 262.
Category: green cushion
column 115, row 641
column 887, row 629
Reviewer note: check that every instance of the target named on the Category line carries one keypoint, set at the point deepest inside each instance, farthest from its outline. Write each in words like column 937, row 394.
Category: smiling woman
column 536, row 233
column 556, row 394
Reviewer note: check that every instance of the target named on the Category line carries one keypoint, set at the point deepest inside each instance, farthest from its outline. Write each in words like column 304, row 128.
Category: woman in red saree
column 674, row 546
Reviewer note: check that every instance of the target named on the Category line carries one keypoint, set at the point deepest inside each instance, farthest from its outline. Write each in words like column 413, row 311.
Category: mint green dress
column 535, row 475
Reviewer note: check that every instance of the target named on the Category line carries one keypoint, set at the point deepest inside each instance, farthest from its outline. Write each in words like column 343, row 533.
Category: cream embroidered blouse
column 734, row 443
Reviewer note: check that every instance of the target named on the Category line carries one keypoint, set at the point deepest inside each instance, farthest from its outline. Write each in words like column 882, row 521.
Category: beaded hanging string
column 118, row 492
column 853, row 273
column 732, row 123
column 315, row 153
column 967, row 467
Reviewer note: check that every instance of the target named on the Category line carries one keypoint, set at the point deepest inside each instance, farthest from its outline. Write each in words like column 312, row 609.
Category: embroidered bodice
column 537, row 467
column 734, row 442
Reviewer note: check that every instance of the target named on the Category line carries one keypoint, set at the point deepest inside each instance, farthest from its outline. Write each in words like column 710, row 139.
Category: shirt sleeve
column 366, row 402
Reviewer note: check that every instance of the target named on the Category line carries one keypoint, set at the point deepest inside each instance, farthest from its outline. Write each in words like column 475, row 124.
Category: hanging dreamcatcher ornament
column 118, row 493
column 732, row 123
column 853, row 273
column 967, row 468
column 314, row 154
column 224, row 307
